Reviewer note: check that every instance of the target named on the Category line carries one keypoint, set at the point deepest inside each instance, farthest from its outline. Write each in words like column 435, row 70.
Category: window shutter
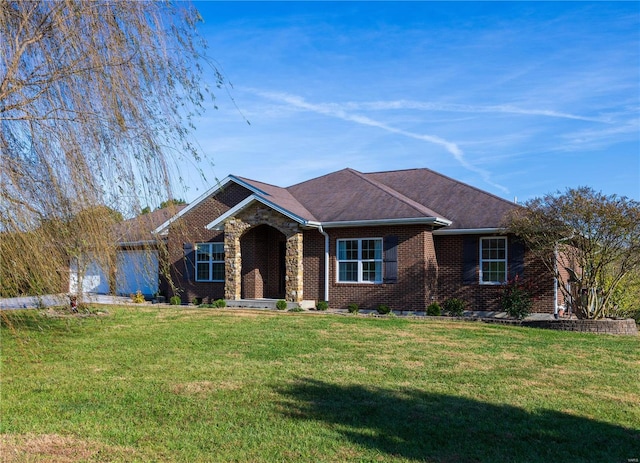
column 390, row 259
column 516, row 258
column 189, row 262
column 469, row 260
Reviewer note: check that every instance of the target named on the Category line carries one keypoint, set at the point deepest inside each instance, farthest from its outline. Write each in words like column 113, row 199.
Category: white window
column 360, row 260
column 493, row 260
column 210, row 262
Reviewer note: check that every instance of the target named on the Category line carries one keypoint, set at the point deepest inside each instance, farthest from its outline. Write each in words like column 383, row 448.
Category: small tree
column 97, row 101
column 589, row 241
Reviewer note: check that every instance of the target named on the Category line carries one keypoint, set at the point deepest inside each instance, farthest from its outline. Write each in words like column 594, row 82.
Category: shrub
column 353, row 308
column 197, row 301
column 434, row 309
column 281, row 304
column 453, row 307
column 220, row 303
column 137, row 298
column 175, row 300
column 516, row 299
column 322, row 305
column 383, row 309
column 296, row 309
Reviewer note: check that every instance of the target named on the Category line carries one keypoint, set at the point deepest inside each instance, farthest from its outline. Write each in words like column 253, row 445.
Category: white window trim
column 209, row 261
column 505, row 260
column 359, row 261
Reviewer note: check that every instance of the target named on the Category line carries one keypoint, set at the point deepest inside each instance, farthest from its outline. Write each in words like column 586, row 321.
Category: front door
column 263, row 250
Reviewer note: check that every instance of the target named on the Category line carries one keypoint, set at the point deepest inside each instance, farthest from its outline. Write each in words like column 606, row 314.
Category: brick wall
column 417, row 270
column 190, row 228
column 449, row 250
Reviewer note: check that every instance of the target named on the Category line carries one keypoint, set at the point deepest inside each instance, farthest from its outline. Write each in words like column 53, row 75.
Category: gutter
column 469, row 231
column 438, row 221
column 326, row 262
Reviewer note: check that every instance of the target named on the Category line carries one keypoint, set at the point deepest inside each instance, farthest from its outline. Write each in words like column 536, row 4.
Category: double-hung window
column 360, row 260
column 210, row 262
column 493, row 260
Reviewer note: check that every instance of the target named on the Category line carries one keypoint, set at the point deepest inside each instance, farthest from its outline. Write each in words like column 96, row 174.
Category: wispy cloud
column 460, row 108
column 343, row 112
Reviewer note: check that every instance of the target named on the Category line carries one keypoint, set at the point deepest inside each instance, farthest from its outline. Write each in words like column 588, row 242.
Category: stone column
column 233, row 229
column 294, row 278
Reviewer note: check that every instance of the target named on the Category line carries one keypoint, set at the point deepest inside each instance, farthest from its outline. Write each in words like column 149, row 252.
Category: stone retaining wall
column 607, row 326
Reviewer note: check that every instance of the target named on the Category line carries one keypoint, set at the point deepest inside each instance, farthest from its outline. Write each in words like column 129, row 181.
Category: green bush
column 516, row 299
column 296, row 309
column 175, row 300
column 625, row 298
column 220, row 303
column 453, row 307
column 322, row 305
column 353, row 308
column 383, row 309
column 434, row 309
column 197, row 301
column 281, row 304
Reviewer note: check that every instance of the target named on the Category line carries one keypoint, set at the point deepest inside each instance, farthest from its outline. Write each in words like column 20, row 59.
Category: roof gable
column 280, row 197
column 348, row 196
column 141, row 228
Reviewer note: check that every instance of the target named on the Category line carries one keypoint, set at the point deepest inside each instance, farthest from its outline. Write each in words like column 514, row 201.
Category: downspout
column 555, row 281
column 555, row 276
column 326, row 262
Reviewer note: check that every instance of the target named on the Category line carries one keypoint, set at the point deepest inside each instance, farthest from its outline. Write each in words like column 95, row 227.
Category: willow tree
column 96, row 107
column 588, row 240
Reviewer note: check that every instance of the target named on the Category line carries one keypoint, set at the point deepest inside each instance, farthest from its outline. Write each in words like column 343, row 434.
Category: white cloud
column 460, row 108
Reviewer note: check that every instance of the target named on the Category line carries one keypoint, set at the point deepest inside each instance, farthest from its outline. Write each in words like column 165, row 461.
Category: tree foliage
column 589, row 241
column 96, row 104
column 164, row 205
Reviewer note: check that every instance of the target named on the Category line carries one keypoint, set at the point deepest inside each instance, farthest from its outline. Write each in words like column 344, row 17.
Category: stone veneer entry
column 255, row 215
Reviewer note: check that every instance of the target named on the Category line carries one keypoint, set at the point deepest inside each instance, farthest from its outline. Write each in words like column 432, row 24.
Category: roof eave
column 434, row 221
column 164, row 228
column 470, row 231
column 130, row 244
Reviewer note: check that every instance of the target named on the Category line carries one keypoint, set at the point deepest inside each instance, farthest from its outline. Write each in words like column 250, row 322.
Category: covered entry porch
column 263, row 250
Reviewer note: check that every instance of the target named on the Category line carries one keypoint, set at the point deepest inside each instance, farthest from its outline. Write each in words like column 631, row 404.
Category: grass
column 189, row 384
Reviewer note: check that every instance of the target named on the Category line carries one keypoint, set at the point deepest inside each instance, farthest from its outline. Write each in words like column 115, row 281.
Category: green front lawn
column 149, row 383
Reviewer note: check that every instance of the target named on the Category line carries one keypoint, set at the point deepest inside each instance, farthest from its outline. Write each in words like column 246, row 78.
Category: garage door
column 137, row 271
column 90, row 279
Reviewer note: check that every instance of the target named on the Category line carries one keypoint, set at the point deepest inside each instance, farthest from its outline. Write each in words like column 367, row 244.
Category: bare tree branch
column 95, row 103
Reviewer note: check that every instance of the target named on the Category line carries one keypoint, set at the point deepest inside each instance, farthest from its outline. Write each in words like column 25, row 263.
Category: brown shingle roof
column 282, row 197
column 412, row 195
column 464, row 205
column 140, row 228
column 348, row 195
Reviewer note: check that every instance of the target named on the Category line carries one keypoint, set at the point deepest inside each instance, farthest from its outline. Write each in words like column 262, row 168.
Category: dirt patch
column 81, row 313
column 204, row 387
column 53, row 447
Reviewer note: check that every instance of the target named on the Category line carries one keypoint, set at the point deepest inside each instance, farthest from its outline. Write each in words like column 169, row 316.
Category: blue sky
column 518, row 99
